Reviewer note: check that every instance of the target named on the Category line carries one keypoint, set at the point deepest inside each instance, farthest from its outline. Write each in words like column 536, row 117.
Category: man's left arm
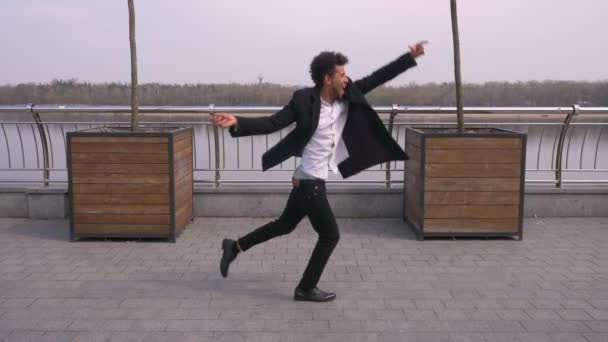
column 391, row 70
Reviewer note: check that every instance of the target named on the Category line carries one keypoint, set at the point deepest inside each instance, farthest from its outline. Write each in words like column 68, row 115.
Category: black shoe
column 228, row 256
column 313, row 295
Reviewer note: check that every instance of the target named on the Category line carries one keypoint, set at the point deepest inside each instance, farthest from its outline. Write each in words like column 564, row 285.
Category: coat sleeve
column 386, row 73
column 264, row 125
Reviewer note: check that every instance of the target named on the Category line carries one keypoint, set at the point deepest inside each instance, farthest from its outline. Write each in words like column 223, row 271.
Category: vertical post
column 45, row 148
column 216, row 139
column 560, row 145
column 457, row 75
column 391, row 121
column 134, row 97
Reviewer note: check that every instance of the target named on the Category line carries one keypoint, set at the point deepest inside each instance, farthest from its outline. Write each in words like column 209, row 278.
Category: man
column 336, row 129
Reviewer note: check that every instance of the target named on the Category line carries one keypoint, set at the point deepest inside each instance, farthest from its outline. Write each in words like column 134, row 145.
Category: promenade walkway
column 552, row 286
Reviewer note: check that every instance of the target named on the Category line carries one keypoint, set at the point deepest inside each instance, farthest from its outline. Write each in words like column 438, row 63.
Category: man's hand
column 418, row 49
column 224, row 120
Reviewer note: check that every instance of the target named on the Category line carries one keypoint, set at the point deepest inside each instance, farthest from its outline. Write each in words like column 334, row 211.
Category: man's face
column 337, row 82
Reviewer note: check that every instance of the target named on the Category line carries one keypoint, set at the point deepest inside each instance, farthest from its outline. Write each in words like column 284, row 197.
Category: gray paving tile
column 549, row 287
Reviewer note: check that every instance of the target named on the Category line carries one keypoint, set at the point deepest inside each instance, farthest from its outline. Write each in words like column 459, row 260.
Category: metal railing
column 47, row 156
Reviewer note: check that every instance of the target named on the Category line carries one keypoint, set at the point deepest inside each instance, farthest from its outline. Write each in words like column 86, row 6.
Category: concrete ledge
column 346, row 200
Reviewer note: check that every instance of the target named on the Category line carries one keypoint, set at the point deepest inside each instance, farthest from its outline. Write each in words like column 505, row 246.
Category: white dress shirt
column 325, row 149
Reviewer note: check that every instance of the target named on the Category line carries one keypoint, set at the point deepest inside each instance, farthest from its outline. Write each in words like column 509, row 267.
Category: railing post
column 216, row 139
column 391, row 121
column 46, row 173
column 560, row 146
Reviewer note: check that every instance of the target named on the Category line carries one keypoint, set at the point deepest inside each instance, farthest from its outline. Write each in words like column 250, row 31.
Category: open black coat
column 366, row 139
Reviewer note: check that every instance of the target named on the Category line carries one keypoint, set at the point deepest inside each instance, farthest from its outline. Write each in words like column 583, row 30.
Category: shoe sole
column 225, row 246
column 306, row 299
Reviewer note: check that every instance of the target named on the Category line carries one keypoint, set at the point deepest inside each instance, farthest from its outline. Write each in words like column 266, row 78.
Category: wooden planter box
column 469, row 184
column 129, row 184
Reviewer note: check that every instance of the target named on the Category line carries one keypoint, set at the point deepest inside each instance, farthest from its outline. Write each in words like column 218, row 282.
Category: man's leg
column 294, row 212
column 324, row 223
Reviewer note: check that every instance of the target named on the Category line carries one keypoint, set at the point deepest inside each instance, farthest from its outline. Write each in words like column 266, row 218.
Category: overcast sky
column 220, row 41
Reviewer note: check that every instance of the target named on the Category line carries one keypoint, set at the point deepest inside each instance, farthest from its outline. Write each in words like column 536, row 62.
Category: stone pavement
column 552, row 286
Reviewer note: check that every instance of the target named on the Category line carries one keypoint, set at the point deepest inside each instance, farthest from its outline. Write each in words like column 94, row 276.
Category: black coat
column 366, row 139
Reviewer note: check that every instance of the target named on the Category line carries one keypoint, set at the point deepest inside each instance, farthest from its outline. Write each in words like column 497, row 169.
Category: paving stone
column 390, row 287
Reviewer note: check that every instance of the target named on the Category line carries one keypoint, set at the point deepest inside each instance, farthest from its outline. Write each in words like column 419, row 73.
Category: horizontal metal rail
column 35, row 145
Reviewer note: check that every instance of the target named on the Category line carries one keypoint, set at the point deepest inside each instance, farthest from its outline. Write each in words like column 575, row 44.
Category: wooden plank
column 471, row 211
column 412, row 181
column 183, row 215
column 186, row 179
column 473, row 143
column 182, row 162
column 471, row 225
column 471, row 184
column 472, row 170
column 120, row 188
column 182, row 197
column 120, row 168
column 412, row 198
column 472, row 197
column 121, row 198
column 413, row 214
column 122, row 219
column 118, row 158
column 413, row 152
column 139, row 140
column 120, row 229
column 143, row 209
column 182, row 136
column 412, row 166
column 116, row 178
column 413, row 138
column 113, row 147
column 473, row 156
column 185, row 172
column 183, row 154
column 182, row 144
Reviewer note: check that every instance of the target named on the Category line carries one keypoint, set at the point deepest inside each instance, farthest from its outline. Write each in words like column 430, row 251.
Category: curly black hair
column 325, row 64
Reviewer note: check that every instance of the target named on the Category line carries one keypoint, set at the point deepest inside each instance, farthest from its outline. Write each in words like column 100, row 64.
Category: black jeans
column 308, row 198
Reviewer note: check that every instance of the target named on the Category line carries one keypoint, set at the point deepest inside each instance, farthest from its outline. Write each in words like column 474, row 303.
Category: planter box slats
column 470, row 211
column 471, row 225
column 111, row 219
column 121, row 209
column 121, row 229
column 120, row 188
column 476, row 156
column 464, row 184
column 120, row 168
column 130, row 184
column 472, row 197
column 437, row 143
column 120, row 147
column 121, row 198
column 120, row 178
column 471, row 184
column 122, row 140
column 119, row 158
column 473, row 170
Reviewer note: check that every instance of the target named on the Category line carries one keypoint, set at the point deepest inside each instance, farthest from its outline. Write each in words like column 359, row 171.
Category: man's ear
column 326, row 79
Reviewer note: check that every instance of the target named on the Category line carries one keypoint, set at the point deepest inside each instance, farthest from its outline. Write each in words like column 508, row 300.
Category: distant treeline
column 546, row 93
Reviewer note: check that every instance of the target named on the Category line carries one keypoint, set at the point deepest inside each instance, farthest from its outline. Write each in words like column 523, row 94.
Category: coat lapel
column 316, row 108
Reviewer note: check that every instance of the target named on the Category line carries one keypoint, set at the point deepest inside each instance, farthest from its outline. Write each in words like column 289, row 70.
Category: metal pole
column 456, row 39
column 216, row 139
column 391, row 121
column 45, row 149
column 560, row 146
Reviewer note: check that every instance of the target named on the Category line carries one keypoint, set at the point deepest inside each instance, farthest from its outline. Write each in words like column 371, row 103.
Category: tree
column 134, row 98
column 457, row 66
